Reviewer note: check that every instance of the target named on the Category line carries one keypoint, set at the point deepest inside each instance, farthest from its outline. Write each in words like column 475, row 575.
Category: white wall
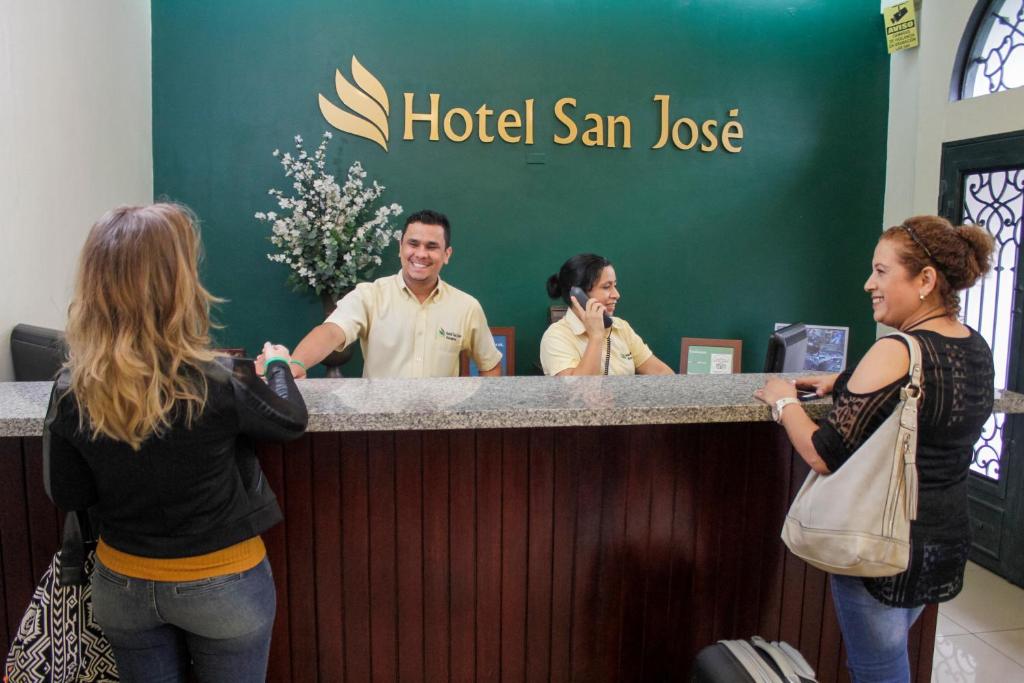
column 921, row 117
column 75, row 140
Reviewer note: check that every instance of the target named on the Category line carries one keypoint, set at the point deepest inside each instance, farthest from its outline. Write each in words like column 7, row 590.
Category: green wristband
column 274, row 359
column 298, row 362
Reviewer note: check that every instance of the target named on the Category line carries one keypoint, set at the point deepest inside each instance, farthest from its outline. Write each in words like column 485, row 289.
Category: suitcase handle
column 778, row 656
column 748, row 658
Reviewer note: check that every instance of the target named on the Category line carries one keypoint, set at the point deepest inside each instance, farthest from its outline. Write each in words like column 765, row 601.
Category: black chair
column 37, row 352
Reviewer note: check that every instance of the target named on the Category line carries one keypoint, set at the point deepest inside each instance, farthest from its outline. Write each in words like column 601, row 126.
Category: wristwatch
column 779, row 405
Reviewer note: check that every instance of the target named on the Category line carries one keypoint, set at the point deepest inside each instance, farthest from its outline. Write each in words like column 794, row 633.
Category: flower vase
column 335, row 359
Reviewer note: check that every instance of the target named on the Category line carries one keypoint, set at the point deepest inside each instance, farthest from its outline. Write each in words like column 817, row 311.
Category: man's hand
column 315, row 346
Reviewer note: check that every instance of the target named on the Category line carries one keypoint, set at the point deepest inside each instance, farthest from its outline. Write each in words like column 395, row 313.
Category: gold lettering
column 570, row 127
column 593, row 136
column 708, row 128
column 728, row 135
column 529, row 122
column 613, row 121
column 482, row 113
column 663, row 99
column 410, row 116
column 694, row 132
column 509, row 119
column 467, row 122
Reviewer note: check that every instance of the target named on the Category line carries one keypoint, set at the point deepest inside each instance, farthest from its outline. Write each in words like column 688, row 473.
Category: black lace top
column 957, row 378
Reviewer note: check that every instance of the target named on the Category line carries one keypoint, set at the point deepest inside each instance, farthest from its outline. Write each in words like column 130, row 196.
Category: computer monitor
column 787, row 348
column 37, row 352
column 826, row 347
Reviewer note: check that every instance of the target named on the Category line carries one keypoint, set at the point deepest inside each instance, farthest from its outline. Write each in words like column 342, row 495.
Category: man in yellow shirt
column 411, row 324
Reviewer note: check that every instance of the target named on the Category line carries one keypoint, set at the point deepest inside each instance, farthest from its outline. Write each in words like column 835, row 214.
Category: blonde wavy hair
column 138, row 325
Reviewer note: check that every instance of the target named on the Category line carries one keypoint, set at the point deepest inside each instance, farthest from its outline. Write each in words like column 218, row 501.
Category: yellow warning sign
column 900, row 26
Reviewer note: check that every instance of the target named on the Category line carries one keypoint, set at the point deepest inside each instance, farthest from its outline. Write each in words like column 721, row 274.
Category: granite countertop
column 485, row 402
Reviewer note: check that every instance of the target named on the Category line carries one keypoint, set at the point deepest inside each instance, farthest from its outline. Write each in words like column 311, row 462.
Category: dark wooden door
column 982, row 181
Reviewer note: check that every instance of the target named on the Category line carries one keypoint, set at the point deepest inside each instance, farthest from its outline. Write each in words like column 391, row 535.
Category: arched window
column 991, row 54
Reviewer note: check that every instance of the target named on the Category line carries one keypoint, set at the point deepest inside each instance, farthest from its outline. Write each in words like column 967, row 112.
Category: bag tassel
column 910, row 478
column 910, row 481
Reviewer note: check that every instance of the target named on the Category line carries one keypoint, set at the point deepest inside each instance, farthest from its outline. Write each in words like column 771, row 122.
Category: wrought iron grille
column 994, row 199
column 997, row 53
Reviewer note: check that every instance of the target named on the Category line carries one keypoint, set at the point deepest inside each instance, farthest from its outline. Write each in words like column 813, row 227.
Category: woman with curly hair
column 918, row 269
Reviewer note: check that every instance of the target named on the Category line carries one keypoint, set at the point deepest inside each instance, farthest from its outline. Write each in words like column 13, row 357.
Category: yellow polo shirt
column 400, row 337
column 564, row 342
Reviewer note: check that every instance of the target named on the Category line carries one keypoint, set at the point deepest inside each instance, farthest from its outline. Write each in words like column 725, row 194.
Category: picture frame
column 703, row 356
column 505, row 340
column 827, row 347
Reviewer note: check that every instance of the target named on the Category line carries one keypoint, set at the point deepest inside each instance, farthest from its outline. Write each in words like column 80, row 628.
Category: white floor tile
column 987, row 603
column 968, row 659
column 948, row 627
column 1010, row 643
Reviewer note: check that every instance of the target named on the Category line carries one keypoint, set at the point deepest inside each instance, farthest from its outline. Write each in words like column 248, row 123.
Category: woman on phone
column 918, row 269
column 147, row 430
column 590, row 340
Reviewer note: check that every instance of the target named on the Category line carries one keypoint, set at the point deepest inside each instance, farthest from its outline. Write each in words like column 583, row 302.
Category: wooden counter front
column 540, row 554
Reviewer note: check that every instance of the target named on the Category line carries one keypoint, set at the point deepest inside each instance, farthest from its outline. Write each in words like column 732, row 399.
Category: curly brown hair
column 960, row 255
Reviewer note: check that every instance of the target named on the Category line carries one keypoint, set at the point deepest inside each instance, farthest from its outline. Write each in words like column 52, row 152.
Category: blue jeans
column 221, row 624
column 875, row 634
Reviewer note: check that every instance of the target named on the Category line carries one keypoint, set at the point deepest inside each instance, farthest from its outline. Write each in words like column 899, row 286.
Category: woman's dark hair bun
column 554, row 289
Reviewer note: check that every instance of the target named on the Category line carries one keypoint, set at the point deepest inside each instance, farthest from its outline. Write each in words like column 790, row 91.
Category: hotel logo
column 369, row 109
column 369, row 102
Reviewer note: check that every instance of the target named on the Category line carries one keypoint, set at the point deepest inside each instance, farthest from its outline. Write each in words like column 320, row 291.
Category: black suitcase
column 754, row 661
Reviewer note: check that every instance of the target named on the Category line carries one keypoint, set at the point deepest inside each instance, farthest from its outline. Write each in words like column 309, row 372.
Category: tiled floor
column 980, row 636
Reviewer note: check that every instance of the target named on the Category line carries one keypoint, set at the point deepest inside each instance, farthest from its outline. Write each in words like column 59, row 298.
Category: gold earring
column 921, row 297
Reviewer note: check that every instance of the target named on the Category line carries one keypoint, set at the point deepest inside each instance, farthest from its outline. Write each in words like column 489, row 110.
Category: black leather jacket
column 188, row 491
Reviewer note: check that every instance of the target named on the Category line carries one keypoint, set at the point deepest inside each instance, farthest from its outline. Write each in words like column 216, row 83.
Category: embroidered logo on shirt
column 450, row 336
column 628, row 355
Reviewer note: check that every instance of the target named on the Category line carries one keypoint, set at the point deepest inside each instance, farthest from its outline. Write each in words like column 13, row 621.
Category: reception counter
column 514, row 529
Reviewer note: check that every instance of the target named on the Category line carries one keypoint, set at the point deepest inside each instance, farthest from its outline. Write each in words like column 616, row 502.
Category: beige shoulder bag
column 856, row 520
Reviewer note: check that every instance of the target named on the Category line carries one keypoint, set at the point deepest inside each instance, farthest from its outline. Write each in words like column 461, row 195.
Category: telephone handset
column 582, row 298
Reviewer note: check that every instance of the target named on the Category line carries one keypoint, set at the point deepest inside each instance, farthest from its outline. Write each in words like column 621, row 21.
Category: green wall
column 705, row 245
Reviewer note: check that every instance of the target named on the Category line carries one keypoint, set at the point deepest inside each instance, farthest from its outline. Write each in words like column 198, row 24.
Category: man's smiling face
column 423, row 253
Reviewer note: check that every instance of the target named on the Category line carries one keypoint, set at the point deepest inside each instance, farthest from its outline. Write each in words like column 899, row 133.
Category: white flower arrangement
column 329, row 235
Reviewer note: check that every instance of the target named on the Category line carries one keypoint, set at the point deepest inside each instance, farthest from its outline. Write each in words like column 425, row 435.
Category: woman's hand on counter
column 799, row 427
column 821, row 384
column 774, row 389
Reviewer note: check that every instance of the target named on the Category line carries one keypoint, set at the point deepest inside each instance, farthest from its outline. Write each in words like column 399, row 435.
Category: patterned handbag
column 58, row 641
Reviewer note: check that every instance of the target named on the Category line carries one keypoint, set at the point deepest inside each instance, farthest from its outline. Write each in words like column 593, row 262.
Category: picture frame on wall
column 702, row 356
column 826, row 347
column 505, row 340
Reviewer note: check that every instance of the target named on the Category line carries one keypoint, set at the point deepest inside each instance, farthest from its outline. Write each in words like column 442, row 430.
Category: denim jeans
column 875, row 634
column 221, row 625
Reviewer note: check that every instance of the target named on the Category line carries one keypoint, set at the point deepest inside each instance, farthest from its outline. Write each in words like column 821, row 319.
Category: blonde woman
column 144, row 429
